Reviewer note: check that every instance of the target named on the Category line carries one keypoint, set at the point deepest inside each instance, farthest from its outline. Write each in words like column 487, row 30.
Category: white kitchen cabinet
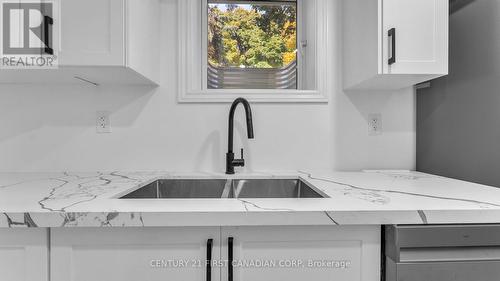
column 101, row 42
column 131, row 254
column 321, row 253
column 23, row 254
column 391, row 44
column 92, row 32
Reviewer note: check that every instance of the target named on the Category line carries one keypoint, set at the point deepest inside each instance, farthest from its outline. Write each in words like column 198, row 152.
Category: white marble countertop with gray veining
column 362, row 198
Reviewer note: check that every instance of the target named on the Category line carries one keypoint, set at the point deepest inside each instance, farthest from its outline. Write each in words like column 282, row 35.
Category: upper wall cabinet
column 100, row 42
column 392, row 44
column 93, row 32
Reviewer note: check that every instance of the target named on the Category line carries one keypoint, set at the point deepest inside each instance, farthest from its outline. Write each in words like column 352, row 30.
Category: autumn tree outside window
column 252, row 44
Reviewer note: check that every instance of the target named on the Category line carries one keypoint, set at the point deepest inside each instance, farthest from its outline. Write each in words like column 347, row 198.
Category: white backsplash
column 52, row 128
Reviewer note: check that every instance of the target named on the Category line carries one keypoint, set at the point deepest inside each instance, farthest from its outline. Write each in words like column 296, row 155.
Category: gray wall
column 458, row 117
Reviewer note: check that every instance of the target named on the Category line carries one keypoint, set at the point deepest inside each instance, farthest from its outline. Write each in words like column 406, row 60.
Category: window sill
column 254, row 96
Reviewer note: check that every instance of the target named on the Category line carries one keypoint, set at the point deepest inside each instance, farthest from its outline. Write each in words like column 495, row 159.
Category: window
column 252, row 45
column 265, row 51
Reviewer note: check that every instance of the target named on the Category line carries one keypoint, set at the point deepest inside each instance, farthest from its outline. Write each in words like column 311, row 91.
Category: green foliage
column 259, row 36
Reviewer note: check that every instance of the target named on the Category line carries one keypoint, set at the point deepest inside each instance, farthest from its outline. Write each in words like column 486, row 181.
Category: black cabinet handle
column 210, row 243
column 392, row 35
column 47, row 21
column 230, row 258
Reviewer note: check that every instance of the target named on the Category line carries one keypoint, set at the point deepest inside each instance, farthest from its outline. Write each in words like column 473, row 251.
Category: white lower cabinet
column 320, row 253
column 132, row 254
column 23, row 254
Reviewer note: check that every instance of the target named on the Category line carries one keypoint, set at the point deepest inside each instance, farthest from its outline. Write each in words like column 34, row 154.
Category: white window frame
column 192, row 63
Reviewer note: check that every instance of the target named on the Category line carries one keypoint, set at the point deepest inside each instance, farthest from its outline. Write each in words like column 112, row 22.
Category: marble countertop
column 367, row 198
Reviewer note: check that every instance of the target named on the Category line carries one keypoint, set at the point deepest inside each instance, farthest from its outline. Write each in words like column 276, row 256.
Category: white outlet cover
column 103, row 123
column 374, row 124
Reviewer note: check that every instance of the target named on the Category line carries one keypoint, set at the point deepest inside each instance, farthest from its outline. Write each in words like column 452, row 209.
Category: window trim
column 192, row 65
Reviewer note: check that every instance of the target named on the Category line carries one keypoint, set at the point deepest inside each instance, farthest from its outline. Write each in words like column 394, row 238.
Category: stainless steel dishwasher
column 442, row 253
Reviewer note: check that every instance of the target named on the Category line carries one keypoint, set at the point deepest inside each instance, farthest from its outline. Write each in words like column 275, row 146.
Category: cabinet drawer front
column 448, row 271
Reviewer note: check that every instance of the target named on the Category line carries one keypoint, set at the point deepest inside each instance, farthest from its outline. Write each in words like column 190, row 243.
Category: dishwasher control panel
column 442, row 252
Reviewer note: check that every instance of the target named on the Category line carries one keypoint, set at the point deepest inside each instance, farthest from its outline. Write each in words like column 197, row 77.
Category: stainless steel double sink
column 225, row 188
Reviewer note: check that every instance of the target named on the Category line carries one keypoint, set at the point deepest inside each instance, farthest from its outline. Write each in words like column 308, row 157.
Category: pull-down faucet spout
column 230, row 161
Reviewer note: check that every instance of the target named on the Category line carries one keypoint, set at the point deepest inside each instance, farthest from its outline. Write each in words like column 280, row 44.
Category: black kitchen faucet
column 230, row 161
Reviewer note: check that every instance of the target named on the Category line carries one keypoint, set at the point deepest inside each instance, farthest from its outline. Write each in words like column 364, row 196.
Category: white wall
column 52, row 128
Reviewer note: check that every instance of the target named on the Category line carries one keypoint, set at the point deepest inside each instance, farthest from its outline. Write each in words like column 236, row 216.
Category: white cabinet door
column 323, row 253
column 23, row 254
column 421, row 36
column 92, row 32
column 132, row 254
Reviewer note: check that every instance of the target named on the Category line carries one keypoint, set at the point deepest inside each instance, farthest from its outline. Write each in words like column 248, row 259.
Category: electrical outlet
column 374, row 124
column 103, row 124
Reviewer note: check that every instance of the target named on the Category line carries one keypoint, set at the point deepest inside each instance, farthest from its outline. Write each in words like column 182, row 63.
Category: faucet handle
column 238, row 162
